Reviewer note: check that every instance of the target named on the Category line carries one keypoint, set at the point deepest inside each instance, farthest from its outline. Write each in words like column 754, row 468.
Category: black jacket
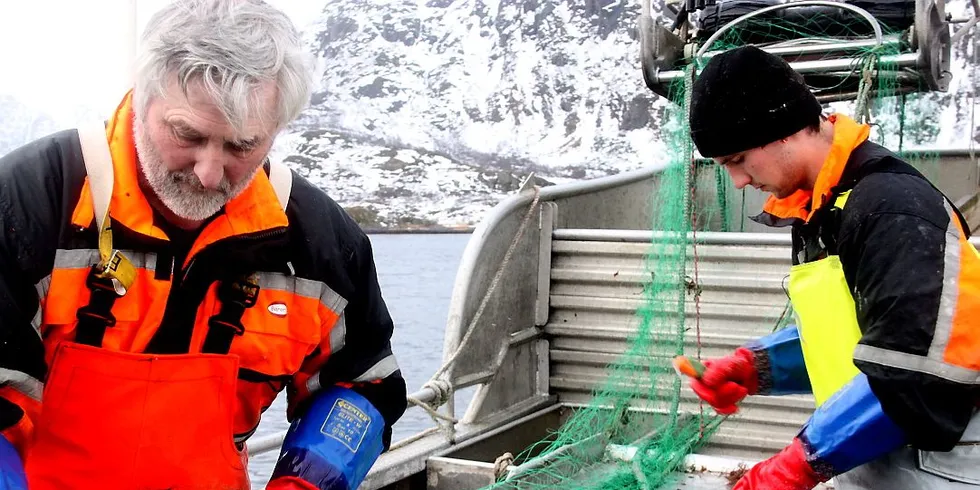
column 898, row 237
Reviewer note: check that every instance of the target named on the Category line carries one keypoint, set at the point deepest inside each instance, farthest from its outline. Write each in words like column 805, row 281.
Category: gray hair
column 231, row 46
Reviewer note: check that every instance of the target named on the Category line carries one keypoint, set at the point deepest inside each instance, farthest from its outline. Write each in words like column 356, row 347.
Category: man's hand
column 726, row 381
column 787, row 470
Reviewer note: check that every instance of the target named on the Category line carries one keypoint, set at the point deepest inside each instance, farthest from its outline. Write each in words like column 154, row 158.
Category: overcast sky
column 58, row 52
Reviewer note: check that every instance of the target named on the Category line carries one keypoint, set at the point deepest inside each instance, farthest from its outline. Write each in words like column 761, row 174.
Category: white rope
column 862, row 110
column 442, row 387
column 443, row 390
column 501, row 464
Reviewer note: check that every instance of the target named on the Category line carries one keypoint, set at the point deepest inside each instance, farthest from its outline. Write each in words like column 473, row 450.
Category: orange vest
column 115, row 417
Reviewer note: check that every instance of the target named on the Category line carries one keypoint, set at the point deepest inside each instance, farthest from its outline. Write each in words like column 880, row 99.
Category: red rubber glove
column 787, row 470
column 289, row 483
column 727, row 380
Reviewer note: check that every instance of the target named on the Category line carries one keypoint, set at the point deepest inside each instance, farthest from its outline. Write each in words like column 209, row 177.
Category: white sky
column 56, row 54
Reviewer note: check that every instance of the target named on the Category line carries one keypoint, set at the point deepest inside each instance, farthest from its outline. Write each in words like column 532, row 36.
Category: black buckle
column 241, row 292
column 235, row 297
column 88, row 313
column 96, row 316
column 95, row 282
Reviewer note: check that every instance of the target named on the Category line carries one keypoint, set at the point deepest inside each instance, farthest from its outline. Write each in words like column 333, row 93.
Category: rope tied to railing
column 443, row 390
column 442, row 387
column 862, row 106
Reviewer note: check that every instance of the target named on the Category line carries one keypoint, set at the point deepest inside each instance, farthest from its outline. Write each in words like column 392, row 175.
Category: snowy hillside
column 554, row 82
column 552, row 86
column 384, row 187
column 431, row 112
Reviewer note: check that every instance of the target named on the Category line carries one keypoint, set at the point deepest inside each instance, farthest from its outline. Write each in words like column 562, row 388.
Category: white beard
column 181, row 191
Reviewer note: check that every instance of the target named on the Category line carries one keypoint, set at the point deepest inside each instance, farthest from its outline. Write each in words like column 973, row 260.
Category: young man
column 161, row 282
column 885, row 286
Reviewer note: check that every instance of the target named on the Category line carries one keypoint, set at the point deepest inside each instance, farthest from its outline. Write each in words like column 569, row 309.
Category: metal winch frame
column 917, row 58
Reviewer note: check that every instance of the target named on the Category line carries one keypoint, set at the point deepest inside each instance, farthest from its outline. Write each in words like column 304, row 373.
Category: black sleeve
column 900, row 251
column 31, row 195
column 367, row 360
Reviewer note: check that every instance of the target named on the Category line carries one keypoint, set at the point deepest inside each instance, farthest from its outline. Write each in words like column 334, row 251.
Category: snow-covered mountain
column 553, row 82
column 432, row 111
column 552, row 86
column 384, row 187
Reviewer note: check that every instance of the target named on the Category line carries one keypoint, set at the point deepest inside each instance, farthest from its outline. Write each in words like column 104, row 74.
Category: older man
column 161, row 281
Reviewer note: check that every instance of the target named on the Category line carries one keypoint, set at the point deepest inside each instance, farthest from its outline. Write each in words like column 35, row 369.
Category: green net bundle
column 642, row 420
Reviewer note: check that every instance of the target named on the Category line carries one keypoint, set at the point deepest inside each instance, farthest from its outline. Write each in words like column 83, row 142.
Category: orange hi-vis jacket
column 278, row 291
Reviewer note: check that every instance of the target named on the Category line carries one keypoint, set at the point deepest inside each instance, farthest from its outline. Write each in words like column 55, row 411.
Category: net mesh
column 634, row 434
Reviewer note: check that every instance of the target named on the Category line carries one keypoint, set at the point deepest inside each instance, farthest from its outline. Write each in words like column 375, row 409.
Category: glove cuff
column 819, row 470
column 749, row 367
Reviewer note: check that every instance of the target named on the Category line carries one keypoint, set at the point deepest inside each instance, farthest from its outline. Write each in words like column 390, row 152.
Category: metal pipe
column 266, row 444
column 425, row 395
column 514, row 472
column 710, row 464
column 647, row 236
column 822, row 47
column 774, row 239
column 805, row 3
column 836, row 97
column 963, row 30
column 906, row 60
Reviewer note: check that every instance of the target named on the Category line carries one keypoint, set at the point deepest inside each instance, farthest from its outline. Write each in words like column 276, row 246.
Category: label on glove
column 347, row 424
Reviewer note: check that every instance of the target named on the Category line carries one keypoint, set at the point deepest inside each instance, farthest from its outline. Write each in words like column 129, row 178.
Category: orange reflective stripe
column 848, row 134
column 963, row 348
column 963, row 345
column 954, row 353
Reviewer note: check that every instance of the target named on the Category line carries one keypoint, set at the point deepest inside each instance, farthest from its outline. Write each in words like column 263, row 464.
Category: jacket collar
column 800, row 206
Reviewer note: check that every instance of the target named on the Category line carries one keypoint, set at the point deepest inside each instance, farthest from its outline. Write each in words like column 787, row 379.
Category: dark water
column 417, row 273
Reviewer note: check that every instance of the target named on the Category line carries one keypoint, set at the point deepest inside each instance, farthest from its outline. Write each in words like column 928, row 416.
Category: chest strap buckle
column 235, row 297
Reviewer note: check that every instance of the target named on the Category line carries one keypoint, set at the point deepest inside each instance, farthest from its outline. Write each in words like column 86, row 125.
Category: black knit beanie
column 746, row 98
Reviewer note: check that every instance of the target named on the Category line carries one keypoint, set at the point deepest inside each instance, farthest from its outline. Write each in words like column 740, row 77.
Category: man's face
column 769, row 168
column 191, row 157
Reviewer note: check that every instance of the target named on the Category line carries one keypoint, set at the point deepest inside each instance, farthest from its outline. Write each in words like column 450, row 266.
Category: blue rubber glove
column 12, row 475
column 847, row 431
column 332, row 446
